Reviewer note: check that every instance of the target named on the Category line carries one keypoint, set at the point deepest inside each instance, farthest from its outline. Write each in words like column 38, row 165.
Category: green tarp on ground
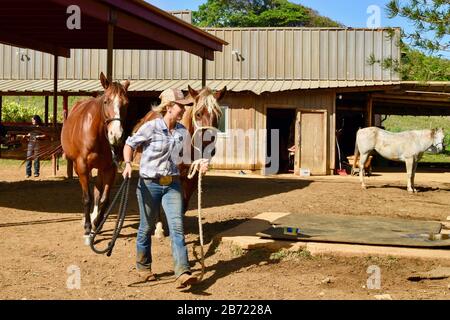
column 366, row 230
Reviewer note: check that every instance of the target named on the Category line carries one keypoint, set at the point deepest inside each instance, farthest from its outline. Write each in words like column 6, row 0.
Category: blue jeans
column 150, row 196
column 33, row 147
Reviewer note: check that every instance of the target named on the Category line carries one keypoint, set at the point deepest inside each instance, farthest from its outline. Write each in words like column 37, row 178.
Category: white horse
column 406, row 146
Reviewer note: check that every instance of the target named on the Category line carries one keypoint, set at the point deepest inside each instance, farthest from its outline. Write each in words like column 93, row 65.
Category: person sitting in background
column 33, row 146
column 3, row 133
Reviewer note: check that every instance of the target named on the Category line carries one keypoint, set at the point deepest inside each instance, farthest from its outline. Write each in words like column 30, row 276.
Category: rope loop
column 122, row 193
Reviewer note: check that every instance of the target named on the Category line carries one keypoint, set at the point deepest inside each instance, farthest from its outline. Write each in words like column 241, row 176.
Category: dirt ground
column 41, row 245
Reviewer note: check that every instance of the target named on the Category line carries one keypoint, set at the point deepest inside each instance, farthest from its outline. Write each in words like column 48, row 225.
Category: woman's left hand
column 204, row 166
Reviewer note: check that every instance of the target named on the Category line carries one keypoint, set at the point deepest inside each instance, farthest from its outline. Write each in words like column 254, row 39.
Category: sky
column 351, row 13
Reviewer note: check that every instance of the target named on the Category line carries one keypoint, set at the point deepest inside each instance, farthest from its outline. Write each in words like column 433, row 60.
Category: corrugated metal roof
column 257, row 87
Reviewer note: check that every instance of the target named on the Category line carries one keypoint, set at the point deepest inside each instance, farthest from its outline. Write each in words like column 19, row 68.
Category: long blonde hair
column 161, row 108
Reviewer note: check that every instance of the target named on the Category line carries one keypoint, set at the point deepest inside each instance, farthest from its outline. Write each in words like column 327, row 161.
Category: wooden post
column 109, row 58
column 369, row 113
column 66, row 112
column 46, row 111
column 109, row 63
column 1, row 104
column 203, row 72
column 55, row 105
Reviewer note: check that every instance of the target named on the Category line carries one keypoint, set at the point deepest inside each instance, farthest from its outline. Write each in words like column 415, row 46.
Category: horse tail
column 356, row 153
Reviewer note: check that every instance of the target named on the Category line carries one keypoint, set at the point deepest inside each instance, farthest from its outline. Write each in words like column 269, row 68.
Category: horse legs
column 362, row 160
column 414, row 174
column 188, row 187
column 106, row 181
column 98, row 188
column 410, row 171
column 83, row 174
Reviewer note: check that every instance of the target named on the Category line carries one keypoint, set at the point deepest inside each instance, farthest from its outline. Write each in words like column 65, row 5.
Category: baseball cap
column 176, row 96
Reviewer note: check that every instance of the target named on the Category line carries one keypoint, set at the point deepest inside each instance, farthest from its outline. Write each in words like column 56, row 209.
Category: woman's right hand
column 127, row 171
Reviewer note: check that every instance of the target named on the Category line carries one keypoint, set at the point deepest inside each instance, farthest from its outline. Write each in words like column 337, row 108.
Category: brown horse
column 203, row 116
column 90, row 131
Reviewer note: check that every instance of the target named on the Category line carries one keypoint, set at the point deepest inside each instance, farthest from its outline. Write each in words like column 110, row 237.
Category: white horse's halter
column 197, row 128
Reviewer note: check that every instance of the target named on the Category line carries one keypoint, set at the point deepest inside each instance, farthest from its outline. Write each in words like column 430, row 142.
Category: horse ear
column 219, row 94
column 126, row 85
column 104, row 81
column 192, row 92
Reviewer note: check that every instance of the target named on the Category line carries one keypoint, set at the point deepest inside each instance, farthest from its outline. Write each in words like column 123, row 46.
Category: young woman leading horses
column 162, row 139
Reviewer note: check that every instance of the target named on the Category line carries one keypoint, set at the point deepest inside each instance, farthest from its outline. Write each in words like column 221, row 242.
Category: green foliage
column 432, row 32
column 15, row 112
column 22, row 109
column 431, row 20
column 258, row 13
column 420, row 67
column 416, row 66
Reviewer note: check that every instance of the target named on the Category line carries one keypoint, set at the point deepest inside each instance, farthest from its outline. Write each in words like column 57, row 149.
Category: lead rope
column 195, row 166
column 122, row 193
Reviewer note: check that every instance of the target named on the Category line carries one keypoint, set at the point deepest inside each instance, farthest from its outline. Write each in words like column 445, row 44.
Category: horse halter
column 198, row 128
column 107, row 120
column 437, row 144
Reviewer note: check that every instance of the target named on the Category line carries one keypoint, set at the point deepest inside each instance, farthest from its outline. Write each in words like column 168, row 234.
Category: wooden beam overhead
column 13, row 38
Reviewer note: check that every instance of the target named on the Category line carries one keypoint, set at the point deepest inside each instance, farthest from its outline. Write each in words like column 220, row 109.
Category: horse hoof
column 159, row 234
column 159, row 231
column 87, row 240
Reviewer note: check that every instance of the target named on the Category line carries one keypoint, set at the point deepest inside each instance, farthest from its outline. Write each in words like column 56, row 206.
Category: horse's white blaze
column 115, row 129
column 94, row 214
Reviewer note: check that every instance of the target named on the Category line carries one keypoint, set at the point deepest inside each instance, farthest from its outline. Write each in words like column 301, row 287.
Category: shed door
column 312, row 142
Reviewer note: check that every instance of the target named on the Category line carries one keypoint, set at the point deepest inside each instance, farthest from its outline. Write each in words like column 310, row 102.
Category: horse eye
column 198, row 115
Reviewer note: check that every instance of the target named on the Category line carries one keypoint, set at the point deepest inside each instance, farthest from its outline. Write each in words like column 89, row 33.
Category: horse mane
column 210, row 101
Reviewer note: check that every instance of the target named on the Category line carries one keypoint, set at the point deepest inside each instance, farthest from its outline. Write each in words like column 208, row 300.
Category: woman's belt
column 164, row 180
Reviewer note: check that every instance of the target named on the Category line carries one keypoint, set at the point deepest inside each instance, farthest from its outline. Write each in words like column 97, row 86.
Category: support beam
column 1, row 105
column 12, row 38
column 55, row 105
column 65, row 114
column 109, row 59
column 369, row 111
column 46, row 111
column 55, row 90
column 203, row 72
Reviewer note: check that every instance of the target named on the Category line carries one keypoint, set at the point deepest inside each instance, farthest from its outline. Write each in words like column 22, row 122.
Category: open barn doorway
column 138, row 107
column 282, row 120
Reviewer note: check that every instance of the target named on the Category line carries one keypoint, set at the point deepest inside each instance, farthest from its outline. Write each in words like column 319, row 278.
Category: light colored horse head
column 202, row 119
column 438, row 136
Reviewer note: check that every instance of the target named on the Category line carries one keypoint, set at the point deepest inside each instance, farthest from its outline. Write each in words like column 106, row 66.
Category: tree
column 421, row 67
column 431, row 36
column 431, row 19
column 258, row 13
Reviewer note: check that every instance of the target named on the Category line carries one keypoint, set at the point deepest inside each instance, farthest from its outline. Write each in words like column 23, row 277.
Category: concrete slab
column 317, row 248
column 244, row 237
